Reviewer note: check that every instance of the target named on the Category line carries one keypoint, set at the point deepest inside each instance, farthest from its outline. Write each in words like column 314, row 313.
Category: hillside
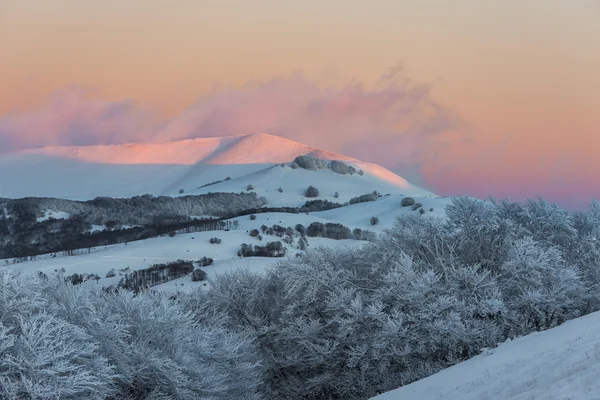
column 189, row 167
column 561, row 363
column 193, row 246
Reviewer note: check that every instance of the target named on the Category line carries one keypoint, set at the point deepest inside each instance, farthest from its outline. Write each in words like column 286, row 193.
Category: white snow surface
column 86, row 172
column 562, row 363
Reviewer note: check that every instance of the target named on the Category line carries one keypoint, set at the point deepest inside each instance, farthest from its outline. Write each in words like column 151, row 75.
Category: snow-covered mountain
column 185, row 167
column 200, row 166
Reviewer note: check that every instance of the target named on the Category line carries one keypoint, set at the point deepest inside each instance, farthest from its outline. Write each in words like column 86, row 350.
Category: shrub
column 337, row 231
column 319, row 205
column 271, row 249
column 156, row 274
column 300, row 229
column 311, row 191
column 181, row 191
column 205, row 261
column 215, row 240
column 309, row 163
column 340, row 168
column 246, row 250
column 374, row 220
column 329, row 230
column 421, row 211
column 336, row 195
column 278, row 230
column 407, row 201
column 364, row 198
column 315, row 229
column 302, row 243
column 280, row 190
column 70, row 342
column 249, row 187
column 111, row 273
column 360, row 172
column 198, row 275
column 172, row 234
column 254, row 232
column 252, row 217
column 416, row 206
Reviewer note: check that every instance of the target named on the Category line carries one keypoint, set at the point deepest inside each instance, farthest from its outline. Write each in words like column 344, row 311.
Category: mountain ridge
column 191, row 166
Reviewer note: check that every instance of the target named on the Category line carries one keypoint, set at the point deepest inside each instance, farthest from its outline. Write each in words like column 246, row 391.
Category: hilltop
column 195, row 166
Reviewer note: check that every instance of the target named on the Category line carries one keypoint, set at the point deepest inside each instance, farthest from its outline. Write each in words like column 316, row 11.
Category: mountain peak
column 125, row 170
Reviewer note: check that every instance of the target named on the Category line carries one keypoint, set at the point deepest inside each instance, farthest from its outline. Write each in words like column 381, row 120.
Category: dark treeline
column 154, row 275
column 41, row 240
column 138, row 210
column 22, row 236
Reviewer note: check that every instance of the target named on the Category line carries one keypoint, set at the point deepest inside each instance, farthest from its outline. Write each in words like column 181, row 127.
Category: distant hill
column 196, row 166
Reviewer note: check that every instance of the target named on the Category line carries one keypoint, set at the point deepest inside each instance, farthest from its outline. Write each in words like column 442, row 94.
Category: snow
column 560, row 363
column 144, row 253
column 86, row 172
column 53, row 214
column 386, row 208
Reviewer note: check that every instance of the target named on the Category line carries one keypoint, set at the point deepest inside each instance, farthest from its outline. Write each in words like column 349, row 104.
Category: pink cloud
column 396, row 124
column 392, row 124
column 73, row 116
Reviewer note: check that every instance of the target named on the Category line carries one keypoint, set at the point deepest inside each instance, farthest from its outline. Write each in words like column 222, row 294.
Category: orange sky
column 523, row 75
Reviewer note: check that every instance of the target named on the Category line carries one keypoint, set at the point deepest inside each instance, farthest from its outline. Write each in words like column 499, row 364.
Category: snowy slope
column 558, row 364
column 193, row 246
column 85, row 172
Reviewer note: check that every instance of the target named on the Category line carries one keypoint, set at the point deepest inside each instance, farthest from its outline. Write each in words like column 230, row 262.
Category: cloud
column 74, row 116
column 395, row 123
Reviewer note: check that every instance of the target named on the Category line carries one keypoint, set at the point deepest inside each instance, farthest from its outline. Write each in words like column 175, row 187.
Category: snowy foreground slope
column 561, row 363
column 191, row 166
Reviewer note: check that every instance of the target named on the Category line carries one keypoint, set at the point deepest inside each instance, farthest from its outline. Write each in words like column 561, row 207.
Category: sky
column 463, row 97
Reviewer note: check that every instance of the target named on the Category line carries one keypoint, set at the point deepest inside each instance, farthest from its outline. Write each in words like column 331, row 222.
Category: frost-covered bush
column 319, row 205
column 341, row 168
column 302, row 243
column 198, row 275
column 311, row 191
column 80, row 342
column 310, row 163
column 426, row 294
column 364, row 198
column 346, row 323
column 407, row 201
column 271, row 249
column 254, row 232
column 205, row 261
column 374, row 220
column 416, row 206
column 300, row 229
